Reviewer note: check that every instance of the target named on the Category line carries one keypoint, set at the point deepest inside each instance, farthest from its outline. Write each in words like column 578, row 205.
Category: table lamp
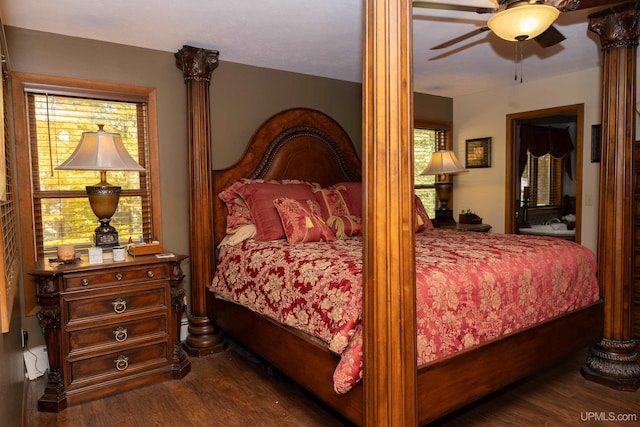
column 443, row 163
column 102, row 151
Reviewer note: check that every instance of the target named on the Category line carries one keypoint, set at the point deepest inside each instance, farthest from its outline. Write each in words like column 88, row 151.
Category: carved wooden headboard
column 299, row 143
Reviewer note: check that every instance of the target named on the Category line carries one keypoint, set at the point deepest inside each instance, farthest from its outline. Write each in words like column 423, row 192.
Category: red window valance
column 542, row 140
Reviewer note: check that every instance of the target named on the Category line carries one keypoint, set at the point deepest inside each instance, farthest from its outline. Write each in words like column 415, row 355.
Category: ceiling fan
column 515, row 20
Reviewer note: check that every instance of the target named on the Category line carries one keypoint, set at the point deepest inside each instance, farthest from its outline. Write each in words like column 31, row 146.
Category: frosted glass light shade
column 523, row 22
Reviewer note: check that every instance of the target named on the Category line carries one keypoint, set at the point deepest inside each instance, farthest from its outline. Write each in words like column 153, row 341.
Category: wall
column 242, row 97
column 484, row 114
column 11, row 370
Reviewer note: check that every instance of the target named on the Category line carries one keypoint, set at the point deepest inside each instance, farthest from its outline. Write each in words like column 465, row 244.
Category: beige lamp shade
column 102, row 151
column 523, row 22
column 443, row 162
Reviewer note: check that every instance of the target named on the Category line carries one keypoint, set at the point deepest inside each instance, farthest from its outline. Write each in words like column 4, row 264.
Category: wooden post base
column 204, row 337
column 54, row 398
column 614, row 364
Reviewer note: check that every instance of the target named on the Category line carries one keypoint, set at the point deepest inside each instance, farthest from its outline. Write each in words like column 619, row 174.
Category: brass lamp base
column 103, row 199
column 444, row 217
column 106, row 236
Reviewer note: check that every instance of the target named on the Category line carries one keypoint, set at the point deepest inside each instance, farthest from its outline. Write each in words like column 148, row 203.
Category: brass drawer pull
column 120, row 334
column 122, row 362
column 150, row 274
column 84, row 282
column 118, row 276
column 119, row 305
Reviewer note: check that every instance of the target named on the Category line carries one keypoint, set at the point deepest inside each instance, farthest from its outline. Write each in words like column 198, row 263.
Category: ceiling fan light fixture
column 523, row 22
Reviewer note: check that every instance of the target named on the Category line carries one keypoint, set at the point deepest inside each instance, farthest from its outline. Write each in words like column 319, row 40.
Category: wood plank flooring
column 237, row 389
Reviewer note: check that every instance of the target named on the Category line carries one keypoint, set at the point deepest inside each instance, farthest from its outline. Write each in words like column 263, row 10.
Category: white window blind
column 61, row 209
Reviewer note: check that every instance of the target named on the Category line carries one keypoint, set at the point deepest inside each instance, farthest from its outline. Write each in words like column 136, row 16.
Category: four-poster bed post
column 197, row 65
column 389, row 306
column 613, row 360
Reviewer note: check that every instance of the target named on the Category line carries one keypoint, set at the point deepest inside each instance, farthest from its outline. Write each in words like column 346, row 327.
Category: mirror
column 544, row 172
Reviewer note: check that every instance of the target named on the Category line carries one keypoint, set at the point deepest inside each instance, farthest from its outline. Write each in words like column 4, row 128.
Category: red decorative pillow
column 345, row 225
column 238, row 213
column 423, row 222
column 302, row 221
column 332, row 202
column 260, row 197
column 352, row 193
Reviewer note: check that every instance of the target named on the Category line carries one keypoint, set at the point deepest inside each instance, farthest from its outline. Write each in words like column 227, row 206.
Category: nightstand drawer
column 113, row 276
column 119, row 363
column 86, row 305
column 121, row 333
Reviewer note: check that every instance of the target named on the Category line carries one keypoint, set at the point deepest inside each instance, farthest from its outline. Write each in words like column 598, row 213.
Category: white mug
column 118, row 254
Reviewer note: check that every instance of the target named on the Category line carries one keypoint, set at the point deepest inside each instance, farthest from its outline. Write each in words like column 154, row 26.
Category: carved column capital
column 196, row 63
column 568, row 5
column 617, row 27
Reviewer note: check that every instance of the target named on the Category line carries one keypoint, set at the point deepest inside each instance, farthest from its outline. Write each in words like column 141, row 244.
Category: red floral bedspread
column 471, row 288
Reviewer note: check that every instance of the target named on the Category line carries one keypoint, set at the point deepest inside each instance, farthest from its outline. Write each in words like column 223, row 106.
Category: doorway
column 569, row 116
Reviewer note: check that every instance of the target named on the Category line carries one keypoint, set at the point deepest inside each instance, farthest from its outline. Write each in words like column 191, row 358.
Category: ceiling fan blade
column 456, row 7
column 571, row 5
column 550, row 37
column 461, row 38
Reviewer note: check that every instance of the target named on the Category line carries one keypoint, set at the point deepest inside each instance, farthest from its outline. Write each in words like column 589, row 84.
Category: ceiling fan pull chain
column 520, row 56
column 521, row 43
column 515, row 61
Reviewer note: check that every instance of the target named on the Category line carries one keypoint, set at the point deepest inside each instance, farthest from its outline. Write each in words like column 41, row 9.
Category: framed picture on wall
column 478, row 153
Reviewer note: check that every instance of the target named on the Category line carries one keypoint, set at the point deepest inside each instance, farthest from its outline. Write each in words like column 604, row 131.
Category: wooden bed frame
column 308, row 145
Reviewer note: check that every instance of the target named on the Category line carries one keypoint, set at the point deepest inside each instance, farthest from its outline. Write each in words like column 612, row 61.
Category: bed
column 306, row 145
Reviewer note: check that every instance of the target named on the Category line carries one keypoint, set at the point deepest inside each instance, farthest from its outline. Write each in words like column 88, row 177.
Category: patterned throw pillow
column 345, row 226
column 332, row 202
column 352, row 193
column 423, row 222
column 302, row 221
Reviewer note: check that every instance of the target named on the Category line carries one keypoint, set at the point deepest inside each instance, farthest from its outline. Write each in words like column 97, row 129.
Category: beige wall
column 242, row 97
column 11, row 371
column 484, row 114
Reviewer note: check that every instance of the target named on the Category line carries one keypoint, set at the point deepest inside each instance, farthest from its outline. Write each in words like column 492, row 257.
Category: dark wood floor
column 236, row 389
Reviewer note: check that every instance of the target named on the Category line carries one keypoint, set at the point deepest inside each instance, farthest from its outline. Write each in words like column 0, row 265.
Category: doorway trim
column 511, row 161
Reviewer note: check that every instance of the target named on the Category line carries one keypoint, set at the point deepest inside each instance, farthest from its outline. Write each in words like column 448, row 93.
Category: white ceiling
column 322, row 38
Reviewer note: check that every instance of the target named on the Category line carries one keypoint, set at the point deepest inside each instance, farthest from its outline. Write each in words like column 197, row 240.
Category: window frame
column 429, row 124
column 23, row 82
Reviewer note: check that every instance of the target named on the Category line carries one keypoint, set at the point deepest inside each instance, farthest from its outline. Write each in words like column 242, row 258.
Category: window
column 543, row 175
column 62, row 213
column 427, row 138
column 10, row 256
column 50, row 115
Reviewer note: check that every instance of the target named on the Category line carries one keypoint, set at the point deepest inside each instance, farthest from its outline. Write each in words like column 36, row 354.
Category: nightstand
column 469, row 227
column 109, row 327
